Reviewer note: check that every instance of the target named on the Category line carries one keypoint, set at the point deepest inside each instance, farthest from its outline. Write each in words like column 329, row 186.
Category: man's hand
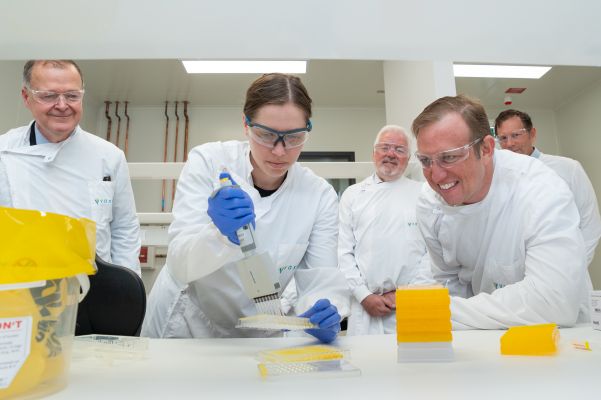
column 391, row 296
column 378, row 305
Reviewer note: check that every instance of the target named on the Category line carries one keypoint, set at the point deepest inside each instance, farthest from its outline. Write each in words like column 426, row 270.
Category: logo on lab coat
column 103, row 201
column 288, row 268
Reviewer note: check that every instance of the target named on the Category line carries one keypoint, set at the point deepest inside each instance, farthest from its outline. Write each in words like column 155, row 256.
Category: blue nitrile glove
column 325, row 315
column 231, row 208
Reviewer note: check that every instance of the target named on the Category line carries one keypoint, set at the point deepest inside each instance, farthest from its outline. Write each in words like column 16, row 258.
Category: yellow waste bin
column 44, row 262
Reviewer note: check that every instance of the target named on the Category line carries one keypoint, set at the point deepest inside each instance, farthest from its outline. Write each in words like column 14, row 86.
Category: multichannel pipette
column 257, row 271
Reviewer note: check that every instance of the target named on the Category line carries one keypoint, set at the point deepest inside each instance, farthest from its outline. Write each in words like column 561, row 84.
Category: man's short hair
column 28, row 68
column 507, row 114
column 392, row 128
column 470, row 110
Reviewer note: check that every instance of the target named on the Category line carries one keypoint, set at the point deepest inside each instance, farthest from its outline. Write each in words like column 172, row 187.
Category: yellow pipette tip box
column 423, row 314
column 427, row 336
column 313, row 360
column 415, row 290
column 530, row 340
column 313, row 369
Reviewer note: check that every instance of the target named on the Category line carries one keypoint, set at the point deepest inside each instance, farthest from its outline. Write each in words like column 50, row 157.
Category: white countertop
column 227, row 368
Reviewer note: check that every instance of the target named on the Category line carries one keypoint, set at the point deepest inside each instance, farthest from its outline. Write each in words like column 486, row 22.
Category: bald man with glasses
column 501, row 229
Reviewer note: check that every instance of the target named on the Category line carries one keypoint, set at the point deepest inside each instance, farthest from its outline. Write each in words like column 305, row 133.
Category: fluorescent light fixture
column 499, row 71
column 245, row 67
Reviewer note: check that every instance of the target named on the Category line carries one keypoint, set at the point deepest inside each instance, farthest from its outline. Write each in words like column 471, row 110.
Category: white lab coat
column 584, row 195
column 67, row 178
column 380, row 246
column 198, row 293
column 517, row 257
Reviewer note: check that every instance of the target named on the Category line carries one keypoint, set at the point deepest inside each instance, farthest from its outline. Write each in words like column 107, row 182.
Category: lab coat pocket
column 101, row 199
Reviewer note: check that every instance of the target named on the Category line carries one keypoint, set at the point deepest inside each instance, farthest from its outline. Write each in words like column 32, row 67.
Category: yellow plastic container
column 433, row 323
column 43, row 259
column 423, row 314
column 433, row 294
column 530, row 340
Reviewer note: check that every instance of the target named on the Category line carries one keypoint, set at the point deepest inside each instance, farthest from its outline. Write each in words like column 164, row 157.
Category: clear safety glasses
column 447, row 158
column 269, row 137
column 48, row 97
column 384, row 148
column 513, row 135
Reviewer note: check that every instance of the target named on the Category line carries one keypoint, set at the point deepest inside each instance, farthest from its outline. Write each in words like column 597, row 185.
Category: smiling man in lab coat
column 379, row 244
column 501, row 228
column 53, row 165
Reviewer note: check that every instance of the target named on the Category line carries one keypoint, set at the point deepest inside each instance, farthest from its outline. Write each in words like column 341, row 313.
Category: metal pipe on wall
column 118, row 122
column 175, row 152
column 109, row 120
column 126, row 129
column 165, row 155
column 186, row 131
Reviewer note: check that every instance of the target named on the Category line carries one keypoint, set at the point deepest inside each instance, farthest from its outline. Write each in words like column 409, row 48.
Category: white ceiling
column 508, row 31
column 330, row 83
column 133, row 31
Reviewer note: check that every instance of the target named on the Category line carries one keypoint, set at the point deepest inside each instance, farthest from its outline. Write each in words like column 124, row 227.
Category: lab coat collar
column 375, row 179
column 249, row 167
column 48, row 151
column 38, row 135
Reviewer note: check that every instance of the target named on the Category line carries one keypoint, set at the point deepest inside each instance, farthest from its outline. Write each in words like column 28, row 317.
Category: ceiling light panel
column 499, row 71
column 244, row 67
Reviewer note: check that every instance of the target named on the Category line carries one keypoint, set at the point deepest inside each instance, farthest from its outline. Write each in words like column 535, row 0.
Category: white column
column 409, row 87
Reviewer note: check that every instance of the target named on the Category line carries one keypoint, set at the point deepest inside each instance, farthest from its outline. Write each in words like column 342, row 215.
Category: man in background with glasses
column 53, row 165
column 379, row 244
column 501, row 229
column 515, row 132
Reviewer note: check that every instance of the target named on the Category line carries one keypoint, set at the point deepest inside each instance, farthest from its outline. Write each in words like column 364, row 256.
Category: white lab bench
column 227, row 368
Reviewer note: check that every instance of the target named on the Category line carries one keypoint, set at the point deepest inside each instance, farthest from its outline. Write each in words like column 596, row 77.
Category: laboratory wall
column 579, row 132
column 12, row 111
column 335, row 129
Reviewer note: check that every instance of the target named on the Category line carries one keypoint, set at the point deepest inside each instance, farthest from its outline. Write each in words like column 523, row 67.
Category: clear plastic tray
column 110, row 347
column 274, row 322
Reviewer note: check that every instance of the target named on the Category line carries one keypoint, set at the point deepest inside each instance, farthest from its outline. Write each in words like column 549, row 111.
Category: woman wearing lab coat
column 199, row 292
